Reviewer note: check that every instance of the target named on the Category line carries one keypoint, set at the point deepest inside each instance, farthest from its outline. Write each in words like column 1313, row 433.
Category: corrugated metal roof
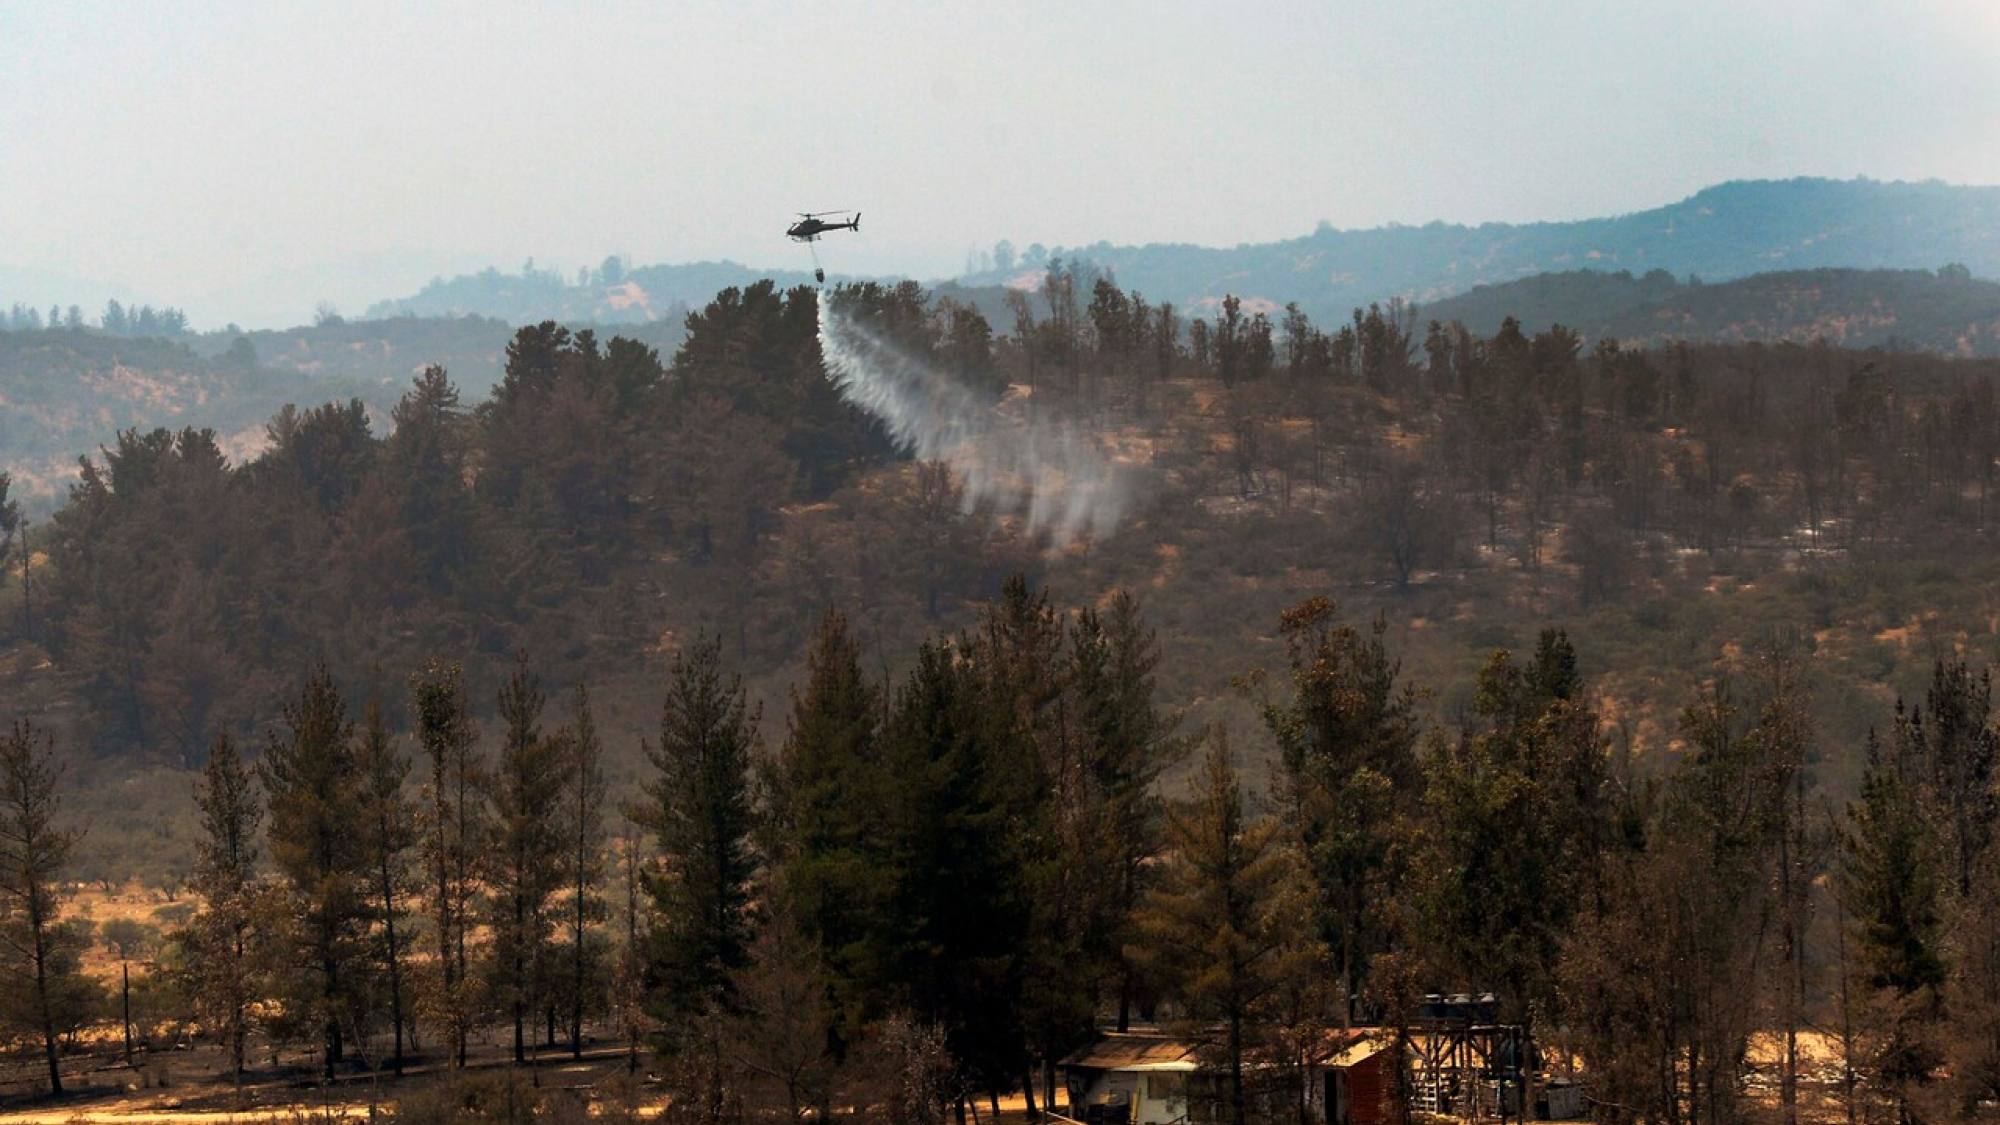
column 1134, row 1052
column 1359, row 1051
column 1152, row 1051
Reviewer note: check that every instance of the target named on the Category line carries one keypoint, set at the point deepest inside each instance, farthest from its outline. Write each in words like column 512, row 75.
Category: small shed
column 1356, row 1085
column 1142, row 1078
column 1130, row 1078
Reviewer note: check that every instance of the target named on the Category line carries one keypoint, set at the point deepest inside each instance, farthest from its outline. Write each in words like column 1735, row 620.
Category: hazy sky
column 245, row 161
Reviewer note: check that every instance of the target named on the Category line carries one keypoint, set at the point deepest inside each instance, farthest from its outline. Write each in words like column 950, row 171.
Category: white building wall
column 1156, row 1097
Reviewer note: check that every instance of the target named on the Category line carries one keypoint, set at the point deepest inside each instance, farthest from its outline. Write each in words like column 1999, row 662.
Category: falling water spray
column 1050, row 472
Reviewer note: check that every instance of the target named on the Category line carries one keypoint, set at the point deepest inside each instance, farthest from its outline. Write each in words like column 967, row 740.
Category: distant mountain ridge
column 604, row 296
column 1948, row 311
column 1727, row 231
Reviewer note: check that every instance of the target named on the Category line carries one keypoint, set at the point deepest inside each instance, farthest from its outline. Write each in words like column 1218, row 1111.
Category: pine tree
column 628, row 984
column 1259, row 352
column 1785, row 736
column 1516, row 816
column 39, row 970
column 829, row 861
column 583, row 832
column 955, row 822
column 456, row 829
column 1124, row 742
column 1665, row 973
column 1893, row 887
column 389, row 829
column 785, row 1033
column 1038, row 768
column 315, row 786
column 424, row 461
column 1973, row 991
column 1228, row 928
column 1229, row 340
column 1952, row 751
column 1724, row 816
column 698, row 809
column 10, row 519
column 1347, row 740
column 524, row 868
column 220, row 938
column 1166, row 341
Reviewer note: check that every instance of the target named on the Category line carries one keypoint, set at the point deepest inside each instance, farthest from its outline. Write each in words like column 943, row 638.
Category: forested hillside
column 1507, row 623
column 1478, row 654
column 1674, row 507
column 1948, row 312
column 1593, row 639
column 64, row 391
column 67, row 390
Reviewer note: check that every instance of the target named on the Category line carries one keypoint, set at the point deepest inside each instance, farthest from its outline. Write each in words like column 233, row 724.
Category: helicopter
column 811, row 225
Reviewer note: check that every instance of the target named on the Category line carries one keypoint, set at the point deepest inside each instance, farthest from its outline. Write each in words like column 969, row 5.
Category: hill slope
column 1673, row 515
column 1944, row 312
column 63, row 393
column 621, row 297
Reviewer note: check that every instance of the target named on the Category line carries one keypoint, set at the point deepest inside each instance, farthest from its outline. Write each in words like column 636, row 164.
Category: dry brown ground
column 192, row 1086
column 599, row 1078
column 196, row 1093
column 131, row 902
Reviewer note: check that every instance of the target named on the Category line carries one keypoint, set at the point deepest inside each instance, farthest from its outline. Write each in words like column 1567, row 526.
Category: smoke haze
column 1049, row 472
column 351, row 150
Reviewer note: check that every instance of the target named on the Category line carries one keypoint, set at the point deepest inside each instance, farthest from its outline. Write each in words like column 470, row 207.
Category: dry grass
column 131, row 903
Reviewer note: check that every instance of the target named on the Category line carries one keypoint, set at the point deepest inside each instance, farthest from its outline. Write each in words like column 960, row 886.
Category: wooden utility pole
column 125, row 970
